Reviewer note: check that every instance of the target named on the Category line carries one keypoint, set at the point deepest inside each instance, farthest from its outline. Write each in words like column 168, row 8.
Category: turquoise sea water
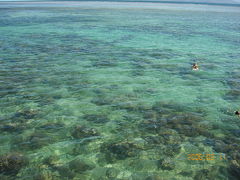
column 104, row 92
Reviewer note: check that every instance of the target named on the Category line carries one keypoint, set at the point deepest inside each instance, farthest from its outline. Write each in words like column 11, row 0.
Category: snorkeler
column 237, row 113
column 194, row 66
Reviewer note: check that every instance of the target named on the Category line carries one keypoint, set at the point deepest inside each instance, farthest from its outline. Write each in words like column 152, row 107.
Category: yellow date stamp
column 206, row 156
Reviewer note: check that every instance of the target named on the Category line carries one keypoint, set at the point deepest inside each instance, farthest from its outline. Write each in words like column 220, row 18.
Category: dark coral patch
column 11, row 163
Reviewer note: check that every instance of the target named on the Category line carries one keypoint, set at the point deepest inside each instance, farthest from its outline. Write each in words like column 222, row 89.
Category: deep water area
column 94, row 93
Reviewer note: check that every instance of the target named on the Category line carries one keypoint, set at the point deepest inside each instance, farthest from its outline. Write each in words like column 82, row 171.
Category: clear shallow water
column 108, row 93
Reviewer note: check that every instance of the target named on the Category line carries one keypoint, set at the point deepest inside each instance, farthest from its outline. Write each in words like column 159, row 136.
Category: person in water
column 237, row 113
column 195, row 66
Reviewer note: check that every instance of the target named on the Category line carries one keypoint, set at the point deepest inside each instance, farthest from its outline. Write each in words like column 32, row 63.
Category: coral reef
column 11, row 163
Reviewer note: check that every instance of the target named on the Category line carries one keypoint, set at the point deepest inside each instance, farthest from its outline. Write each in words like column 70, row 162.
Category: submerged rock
column 11, row 163
column 83, row 132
